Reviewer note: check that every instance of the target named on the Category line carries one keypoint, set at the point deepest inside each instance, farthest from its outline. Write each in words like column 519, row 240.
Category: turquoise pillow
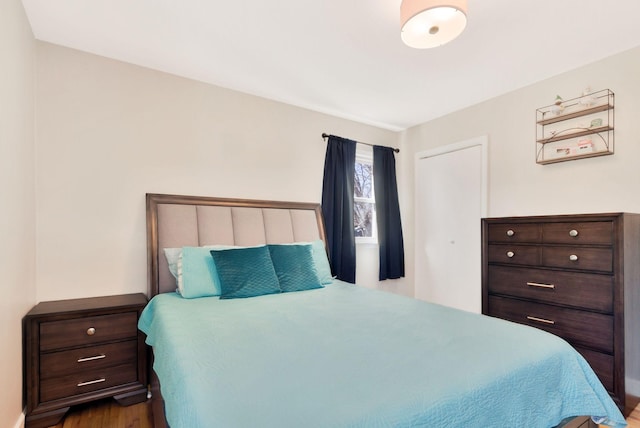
column 295, row 267
column 245, row 272
column 197, row 273
column 321, row 262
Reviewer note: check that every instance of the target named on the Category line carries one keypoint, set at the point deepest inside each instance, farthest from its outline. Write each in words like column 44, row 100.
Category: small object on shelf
column 578, row 128
column 587, row 99
column 582, row 147
column 557, row 107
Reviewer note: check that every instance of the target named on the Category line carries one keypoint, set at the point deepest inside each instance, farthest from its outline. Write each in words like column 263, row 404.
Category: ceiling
column 344, row 57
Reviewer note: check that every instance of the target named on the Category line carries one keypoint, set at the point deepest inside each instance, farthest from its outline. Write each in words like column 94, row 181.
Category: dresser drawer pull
column 91, row 382
column 542, row 320
column 97, row 357
column 510, row 254
column 537, row 284
column 510, row 232
column 573, row 233
column 573, row 258
column 91, row 331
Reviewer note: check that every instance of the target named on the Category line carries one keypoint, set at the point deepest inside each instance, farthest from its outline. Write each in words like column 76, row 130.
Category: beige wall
column 519, row 186
column 17, row 227
column 107, row 132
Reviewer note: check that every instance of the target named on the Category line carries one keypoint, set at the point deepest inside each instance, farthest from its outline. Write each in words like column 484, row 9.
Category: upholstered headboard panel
column 178, row 221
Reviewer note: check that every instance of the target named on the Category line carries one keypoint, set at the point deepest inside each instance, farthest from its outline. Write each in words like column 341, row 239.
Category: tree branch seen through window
column 364, row 202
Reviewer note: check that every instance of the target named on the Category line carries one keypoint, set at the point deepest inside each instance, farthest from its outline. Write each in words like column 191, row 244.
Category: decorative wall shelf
column 578, row 128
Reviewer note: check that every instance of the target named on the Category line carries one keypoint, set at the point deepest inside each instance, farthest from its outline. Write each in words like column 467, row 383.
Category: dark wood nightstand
column 82, row 350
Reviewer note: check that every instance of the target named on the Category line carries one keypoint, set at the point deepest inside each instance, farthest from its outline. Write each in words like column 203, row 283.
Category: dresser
column 576, row 276
column 82, row 350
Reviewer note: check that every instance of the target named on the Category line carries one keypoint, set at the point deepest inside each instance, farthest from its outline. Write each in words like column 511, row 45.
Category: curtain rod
column 325, row 135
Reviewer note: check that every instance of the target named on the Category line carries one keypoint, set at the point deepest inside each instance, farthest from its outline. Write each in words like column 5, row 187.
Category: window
column 364, row 207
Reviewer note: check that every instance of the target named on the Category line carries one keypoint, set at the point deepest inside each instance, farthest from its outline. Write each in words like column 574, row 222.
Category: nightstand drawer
column 87, row 381
column 595, row 232
column 514, row 254
column 87, row 331
column 582, row 328
column 580, row 290
column 91, row 358
column 529, row 233
column 596, row 259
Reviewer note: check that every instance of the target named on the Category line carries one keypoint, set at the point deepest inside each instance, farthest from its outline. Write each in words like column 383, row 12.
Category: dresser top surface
column 560, row 218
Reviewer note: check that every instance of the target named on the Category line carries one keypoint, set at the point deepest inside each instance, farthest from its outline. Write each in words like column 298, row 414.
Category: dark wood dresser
column 577, row 276
column 81, row 350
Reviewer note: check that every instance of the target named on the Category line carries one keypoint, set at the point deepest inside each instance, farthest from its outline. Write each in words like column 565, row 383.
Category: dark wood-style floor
column 108, row 414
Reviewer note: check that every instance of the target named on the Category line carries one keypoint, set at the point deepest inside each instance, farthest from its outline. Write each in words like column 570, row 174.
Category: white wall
column 108, row 132
column 17, row 226
column 519, row 186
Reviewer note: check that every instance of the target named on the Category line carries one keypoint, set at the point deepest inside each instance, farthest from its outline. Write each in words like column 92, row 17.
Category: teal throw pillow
column 295, row 267
column 245, row 272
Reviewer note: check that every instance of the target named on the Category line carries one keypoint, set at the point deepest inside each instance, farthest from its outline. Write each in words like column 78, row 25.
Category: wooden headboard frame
column 177, row 221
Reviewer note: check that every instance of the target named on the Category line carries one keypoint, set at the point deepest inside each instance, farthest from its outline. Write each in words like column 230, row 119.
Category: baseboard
column 20, row 421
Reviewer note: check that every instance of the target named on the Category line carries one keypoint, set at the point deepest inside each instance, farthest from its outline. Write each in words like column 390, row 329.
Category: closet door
column 450, row 201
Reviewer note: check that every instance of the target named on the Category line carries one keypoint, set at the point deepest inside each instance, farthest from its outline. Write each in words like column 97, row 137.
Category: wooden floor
column 634, row 418
column 108, row 414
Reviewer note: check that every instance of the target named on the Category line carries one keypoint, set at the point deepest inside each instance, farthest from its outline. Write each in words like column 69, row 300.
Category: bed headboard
column 178, row 221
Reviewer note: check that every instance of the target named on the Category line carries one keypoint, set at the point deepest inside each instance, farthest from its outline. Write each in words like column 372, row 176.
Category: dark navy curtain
column 390, row 238
column 337, row 206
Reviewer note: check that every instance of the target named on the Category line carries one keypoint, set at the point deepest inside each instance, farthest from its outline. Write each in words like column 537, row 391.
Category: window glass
column 364, row 212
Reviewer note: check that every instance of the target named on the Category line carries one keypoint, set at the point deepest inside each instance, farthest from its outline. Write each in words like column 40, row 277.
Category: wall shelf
column 578, row 128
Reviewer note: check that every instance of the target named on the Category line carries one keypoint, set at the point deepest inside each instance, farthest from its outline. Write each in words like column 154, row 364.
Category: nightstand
column 82, row 350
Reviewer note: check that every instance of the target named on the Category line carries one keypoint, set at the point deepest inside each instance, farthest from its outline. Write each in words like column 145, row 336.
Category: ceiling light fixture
column 432, row 23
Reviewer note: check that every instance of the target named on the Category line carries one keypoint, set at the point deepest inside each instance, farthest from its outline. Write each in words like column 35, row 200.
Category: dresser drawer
column 76, row 332
column 596, row 259
column 514, row 232
column 581, row 290
column 602, row 365
column 87, row 381
column 595, row 232
column 581, row 328
column 514, row 254
column 61, row 363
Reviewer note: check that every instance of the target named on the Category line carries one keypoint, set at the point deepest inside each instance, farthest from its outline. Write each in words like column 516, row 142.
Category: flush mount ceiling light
column 432, row 23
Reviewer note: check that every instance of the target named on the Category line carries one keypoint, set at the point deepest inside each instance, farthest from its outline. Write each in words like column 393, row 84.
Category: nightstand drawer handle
column 510, row 232
column 97, row 357
column 542, row 320
column 539, row 285
column 91, row 331
column 573, row 258
column 510, row 254
column 573, row 233
column 91, row 382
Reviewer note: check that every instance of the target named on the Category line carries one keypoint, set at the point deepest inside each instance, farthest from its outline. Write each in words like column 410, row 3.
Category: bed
column 334, row 355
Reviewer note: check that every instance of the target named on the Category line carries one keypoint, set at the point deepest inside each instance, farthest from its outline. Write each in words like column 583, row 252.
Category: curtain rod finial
column 325, row 135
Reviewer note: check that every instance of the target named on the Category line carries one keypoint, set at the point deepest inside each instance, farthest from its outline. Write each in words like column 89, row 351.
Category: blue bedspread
column 346, row 356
